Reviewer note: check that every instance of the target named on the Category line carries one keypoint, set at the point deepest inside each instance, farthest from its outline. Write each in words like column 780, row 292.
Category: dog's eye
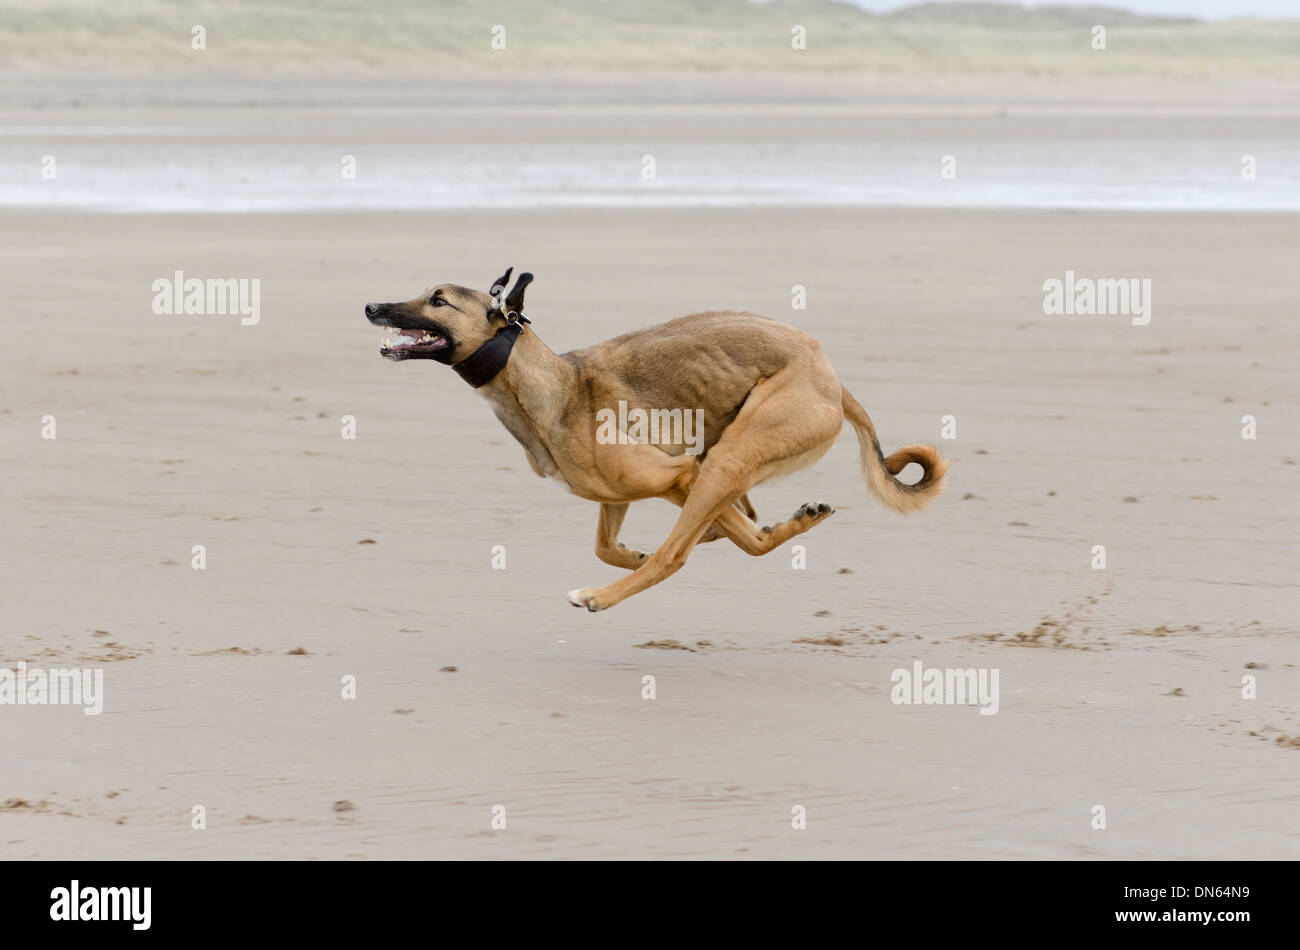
column 437, row 302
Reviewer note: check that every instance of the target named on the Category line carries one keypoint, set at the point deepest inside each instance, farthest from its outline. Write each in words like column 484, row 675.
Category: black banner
column 138, row 900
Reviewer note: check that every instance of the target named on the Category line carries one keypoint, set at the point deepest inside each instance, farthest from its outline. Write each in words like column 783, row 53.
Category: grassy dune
column 445, row 36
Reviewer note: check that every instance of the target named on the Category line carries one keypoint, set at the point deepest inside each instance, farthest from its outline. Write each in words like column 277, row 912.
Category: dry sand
column 1118, row 687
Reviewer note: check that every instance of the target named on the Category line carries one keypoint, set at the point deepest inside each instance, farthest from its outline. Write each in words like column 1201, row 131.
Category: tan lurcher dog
column 768, row 401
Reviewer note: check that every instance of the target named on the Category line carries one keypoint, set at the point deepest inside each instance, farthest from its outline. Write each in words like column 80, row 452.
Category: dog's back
column 709, row 361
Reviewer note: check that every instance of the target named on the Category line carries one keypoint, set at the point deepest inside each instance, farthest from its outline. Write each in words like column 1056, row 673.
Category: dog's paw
column 584, row 597
column 814, row 509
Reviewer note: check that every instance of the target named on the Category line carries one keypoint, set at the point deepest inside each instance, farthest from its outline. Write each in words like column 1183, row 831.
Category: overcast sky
column 1205, row 9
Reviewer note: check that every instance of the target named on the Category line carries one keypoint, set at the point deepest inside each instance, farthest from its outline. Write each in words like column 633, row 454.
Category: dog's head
column 447, row 323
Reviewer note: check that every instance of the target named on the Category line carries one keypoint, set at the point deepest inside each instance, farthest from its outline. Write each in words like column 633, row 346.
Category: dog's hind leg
column 747, row 506
column 643, row 471
column 788, row 422
column 744, row 506
column 759, row 541
column 714, row 491
column 608, row 548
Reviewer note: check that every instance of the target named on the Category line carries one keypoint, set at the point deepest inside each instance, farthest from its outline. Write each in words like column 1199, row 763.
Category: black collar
column 481, row 366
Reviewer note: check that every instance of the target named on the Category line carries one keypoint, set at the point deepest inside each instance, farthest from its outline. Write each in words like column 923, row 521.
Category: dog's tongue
column 415, row 333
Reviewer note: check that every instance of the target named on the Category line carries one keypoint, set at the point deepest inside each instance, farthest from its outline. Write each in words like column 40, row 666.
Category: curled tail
column 879, row 471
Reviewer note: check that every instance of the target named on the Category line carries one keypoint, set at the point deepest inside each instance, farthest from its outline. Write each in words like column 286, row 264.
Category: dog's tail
column 879, row 471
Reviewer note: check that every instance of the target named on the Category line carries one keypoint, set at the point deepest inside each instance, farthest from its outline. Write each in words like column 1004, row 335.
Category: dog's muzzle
column 404, row 343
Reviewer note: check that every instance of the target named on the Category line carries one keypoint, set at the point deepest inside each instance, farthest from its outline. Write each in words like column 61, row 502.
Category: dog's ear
column 515, row 299
column 498, row 288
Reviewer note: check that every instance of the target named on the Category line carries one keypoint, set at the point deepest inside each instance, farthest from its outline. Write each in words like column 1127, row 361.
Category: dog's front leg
column 608, row 548
column 715, row 491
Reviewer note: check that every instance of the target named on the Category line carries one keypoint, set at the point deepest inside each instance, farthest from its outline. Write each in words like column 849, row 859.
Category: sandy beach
column 372, row 558
column 327, row 595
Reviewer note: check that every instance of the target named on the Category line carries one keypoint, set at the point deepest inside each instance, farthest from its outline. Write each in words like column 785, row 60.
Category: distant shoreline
column 138, row 174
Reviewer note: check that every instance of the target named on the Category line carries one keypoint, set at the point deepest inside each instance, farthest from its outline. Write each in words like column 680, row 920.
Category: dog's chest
column 539, row 456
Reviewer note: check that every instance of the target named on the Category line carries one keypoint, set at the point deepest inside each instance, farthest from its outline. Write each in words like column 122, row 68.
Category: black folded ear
column 515, row 300
column 498, row 288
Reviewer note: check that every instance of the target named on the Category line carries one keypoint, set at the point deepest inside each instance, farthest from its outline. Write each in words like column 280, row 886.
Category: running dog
column 771, row 405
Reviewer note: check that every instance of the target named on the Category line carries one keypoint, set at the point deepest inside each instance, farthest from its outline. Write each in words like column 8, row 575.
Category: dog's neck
column 530, row 396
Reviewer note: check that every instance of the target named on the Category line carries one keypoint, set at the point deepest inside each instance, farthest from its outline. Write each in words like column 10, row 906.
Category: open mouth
column 399, row 344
